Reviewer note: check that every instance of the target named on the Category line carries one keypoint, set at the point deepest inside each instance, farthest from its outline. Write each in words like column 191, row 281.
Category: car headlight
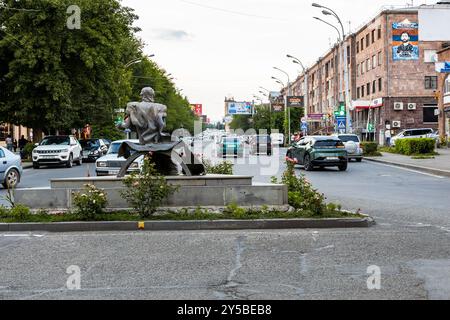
column 64, row 151
column 101, row 164
column 95, row 152
column 134, row 165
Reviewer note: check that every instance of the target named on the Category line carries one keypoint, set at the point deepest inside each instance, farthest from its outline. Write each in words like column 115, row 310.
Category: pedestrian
column 15, row 145
column 388, row 137
column 22, row 143
column 9, row 143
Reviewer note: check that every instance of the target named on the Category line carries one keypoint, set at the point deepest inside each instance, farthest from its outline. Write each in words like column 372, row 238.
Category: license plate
column 114, row 172
column 85, row 154
column 48, row 157
column 332, row 158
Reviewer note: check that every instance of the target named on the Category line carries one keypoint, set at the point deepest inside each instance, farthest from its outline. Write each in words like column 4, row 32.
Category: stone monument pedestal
column 194, row 191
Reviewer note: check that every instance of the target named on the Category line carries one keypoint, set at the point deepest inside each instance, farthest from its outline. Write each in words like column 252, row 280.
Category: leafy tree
column 55, row 78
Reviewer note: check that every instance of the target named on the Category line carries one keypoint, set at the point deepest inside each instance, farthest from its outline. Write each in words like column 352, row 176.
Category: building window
column 373, row 36
column 368, row 65
column 358, row 70
column 367, row 40
column 447, row 86
column 429, row 56
column 362, row 44
column 380, row 85
column 379, row 58
column 374, row 86
column 368, row 89
column 363, row 67
column 429, row 114
column 431, row 83
column 362, row 91
column 374, row 61
column 379, row 33
column 358, row 93
column 357, row 47
column 348, row 55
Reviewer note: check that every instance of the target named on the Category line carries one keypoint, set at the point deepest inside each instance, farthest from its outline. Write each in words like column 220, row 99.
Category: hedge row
column 369, row 147
column 415, row 146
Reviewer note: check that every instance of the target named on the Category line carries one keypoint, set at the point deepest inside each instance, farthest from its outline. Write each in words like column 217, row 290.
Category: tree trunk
column 37, row 135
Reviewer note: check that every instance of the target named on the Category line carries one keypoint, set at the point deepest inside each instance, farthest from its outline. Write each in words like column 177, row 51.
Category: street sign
column 341, row 123
column 296, row 102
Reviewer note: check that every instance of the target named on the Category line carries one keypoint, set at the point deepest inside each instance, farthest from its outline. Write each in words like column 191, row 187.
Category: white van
column 413, row 133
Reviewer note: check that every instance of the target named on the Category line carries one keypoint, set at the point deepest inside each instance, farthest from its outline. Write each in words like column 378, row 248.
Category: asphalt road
column 410, row 245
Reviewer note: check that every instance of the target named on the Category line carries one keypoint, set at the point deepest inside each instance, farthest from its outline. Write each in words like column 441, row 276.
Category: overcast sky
column 218, row 48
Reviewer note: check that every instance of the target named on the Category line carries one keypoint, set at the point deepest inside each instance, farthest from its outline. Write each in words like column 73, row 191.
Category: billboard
column 197, row 109
column 405, row 41
column 296, row 102
column 240, row 108
column 434, row 24
column 277, row 107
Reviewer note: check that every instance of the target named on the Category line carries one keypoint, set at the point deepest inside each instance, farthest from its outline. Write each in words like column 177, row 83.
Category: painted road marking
column 410, row 170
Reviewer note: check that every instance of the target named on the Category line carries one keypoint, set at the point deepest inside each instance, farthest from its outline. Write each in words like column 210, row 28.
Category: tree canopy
column 56, row 78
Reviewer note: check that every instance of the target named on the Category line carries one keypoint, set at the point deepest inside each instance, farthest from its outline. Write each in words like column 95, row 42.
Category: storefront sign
column 296, row 102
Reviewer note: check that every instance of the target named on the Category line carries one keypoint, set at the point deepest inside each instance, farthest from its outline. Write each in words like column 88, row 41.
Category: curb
column 189, row 225
column 438, row 172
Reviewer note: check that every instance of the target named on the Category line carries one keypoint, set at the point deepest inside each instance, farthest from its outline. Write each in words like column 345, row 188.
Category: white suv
column 57, row 150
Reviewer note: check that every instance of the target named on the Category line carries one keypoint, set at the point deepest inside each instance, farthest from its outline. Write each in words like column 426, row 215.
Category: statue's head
column 148, row 95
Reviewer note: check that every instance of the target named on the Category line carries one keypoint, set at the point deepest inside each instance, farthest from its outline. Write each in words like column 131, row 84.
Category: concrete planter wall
column 211, row 190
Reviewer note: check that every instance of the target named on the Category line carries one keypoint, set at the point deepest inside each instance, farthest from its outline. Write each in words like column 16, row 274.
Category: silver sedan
column 10, row 168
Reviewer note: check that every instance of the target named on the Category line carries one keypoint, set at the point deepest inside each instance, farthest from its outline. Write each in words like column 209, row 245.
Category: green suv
column 320, row 151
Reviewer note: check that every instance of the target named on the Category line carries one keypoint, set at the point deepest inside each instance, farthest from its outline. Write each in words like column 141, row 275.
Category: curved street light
column 331, row 25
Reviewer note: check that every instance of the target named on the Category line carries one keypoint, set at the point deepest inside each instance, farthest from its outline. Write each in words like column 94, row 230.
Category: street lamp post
column 330, row 12
column 305, row 86
column 287, row 110
column 267, row 95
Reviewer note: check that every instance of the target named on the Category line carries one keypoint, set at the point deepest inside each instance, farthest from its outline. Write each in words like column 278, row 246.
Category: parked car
column 277, row 139
column 319, row 151
column 111, row 163
column 412, row 133
column 261, row 144
column 353, row 146
column 93, row 149
column 230, row 146
column 10, row 168
column 57, row 150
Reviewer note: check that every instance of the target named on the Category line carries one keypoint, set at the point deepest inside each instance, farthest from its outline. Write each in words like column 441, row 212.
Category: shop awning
column 359, row 105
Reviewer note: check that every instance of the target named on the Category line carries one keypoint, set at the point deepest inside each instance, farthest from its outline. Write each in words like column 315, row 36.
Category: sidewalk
column 440, row 165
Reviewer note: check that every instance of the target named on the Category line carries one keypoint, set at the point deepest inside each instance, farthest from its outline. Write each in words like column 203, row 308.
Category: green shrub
column 4, row 212
column 301, row 194
column 19, row 212
column 225, row 167
column 415, row 146
column 369, row 147
column 89, row 203
column 28, row 150
column 146, row 190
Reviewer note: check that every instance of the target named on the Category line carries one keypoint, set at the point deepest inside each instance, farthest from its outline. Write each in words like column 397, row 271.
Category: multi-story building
column 444, row 94
column 392, row 77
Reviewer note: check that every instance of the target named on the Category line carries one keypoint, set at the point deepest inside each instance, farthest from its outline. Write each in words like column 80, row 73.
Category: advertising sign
column 443, row 67
column 277, row 107
column 296, row 102
column 240, row 108
column 405, row 41
column 198, row 109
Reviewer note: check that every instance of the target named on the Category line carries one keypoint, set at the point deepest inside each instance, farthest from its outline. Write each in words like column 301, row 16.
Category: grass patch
column 239, row 214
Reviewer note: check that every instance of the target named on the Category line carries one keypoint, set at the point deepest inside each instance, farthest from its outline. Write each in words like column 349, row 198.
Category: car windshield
column 90, row 144
column 349, row 138
column 263, row 139
column 328, row 144
column 56, row 141
column 231, row 140
column 114, row 148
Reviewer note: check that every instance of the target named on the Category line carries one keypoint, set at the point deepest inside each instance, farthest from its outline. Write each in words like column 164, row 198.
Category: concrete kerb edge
column 189, row 225
column 412, row 167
